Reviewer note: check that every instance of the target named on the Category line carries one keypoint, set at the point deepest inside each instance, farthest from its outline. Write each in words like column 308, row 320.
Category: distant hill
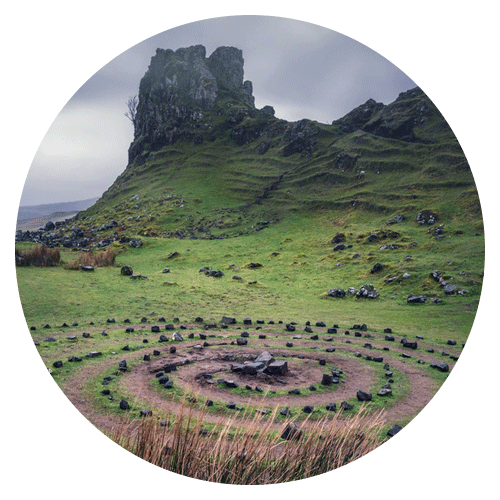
column 35, row 216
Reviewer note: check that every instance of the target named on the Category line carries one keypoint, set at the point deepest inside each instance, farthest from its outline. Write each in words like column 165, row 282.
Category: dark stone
column 126, row 271
column 173, row 349
column 291, row 431
column 363, row 396
column 346, row 406
column 394, row 430
column 124, row 405
column 241, row 341
column 331, row 407
column 155, row 329
column 57, row 364
column 308, row 409
column 443, row 367
column 377, row 267
column 277, row 368
column 451, row 342
column 416, row 299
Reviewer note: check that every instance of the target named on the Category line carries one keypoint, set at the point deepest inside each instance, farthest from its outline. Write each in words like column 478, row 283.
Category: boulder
column 277, row 368
column 291, row 431
column 416, row 299
column 124, row 405
column 228, row 321
column 126, row 271
column 363, row 396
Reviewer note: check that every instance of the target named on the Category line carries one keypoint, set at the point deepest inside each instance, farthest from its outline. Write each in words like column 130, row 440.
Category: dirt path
column 358, row 376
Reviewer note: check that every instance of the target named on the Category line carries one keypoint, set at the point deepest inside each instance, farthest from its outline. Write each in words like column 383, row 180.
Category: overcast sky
column 302, row 70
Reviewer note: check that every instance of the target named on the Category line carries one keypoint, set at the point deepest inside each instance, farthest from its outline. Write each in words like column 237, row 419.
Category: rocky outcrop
column 359, row 116
column 179, row 88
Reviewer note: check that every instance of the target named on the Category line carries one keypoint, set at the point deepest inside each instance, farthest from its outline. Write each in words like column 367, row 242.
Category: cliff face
column 180, row 90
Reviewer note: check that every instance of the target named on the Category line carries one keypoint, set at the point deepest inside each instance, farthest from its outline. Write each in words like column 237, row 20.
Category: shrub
column 40, row 256
column 100, row 259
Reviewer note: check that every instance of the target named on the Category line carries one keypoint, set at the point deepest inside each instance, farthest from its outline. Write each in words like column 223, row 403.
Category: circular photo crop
column 263, row 253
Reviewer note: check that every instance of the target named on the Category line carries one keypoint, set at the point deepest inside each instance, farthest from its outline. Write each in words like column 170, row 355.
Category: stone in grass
column 230, row 384
column 173, row 349
column 452, row 342
column 384, row 392
column 285, row 412
column 327, row 379
column 394, row 430
column 308, row 409
column 57, row 364
column 312, row 388
column 289, row 344
column 86, row 335
column 124, row 405
column 105, row 392
column 209, row 402
column 289, row 327
column 363, row 396
column 169, row 385
column 163, row 379
column 331, row 407
column 147, row 357
column 241, row 341
column 294, row 391
column 277, row 368
column 291, row 431
column 155, row 329
column 177, row 337
column 330, row 349
column 231, row 405
column 443, row 367
column 146, row 413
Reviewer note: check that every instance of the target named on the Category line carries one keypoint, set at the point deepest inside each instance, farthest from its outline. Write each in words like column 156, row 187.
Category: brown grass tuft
column 100, row 259
column 40, row 256
column 249, row 451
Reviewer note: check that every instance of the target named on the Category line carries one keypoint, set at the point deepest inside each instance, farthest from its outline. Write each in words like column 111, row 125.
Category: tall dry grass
column 40, row 256
column 98, row 259
column 250, row 452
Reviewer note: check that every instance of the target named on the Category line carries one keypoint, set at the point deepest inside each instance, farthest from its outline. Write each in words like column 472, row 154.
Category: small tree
column 132, row 109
